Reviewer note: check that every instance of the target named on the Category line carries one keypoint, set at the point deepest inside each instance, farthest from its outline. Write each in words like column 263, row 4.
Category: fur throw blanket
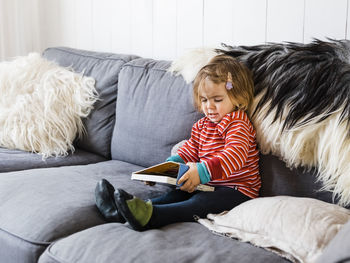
column 41, row 105
column 301, row 109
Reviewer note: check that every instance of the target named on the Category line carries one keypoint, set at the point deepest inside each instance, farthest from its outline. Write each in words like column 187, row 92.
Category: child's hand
column 190, row 179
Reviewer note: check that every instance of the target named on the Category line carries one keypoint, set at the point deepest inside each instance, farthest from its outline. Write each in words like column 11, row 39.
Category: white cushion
column 296, row 228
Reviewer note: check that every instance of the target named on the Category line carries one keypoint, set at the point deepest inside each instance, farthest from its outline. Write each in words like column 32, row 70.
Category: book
column 168, row 173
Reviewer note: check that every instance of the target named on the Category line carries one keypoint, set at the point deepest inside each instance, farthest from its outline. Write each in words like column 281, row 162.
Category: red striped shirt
column 229, row 151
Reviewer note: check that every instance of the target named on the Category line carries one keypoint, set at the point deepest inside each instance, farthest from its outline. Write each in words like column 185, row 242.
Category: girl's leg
column 173, row 196
column 200, row 204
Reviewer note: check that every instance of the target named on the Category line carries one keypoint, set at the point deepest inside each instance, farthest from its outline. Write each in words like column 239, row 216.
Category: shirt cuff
column 204, row 175
column 175, row 158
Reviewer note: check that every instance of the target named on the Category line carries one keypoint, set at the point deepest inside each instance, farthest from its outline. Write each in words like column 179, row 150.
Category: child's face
column 215, row 101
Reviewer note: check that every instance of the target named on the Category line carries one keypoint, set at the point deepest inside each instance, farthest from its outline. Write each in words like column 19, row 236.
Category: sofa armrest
column 338, row 250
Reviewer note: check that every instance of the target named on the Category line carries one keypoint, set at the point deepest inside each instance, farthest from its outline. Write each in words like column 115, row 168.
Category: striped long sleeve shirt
column 228, row 150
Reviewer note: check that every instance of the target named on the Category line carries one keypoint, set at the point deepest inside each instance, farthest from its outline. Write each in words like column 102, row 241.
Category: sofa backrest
column 154, row 112
column 278, row 179
column 104, row 68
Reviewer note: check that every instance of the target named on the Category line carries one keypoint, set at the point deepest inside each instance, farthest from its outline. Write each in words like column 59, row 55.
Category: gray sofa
column 47, row 208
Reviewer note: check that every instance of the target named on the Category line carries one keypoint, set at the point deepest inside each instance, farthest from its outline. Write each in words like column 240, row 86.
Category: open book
column 167, row 172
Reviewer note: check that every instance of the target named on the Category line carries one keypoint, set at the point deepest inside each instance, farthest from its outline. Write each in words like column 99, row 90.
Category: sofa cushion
column 16, row 160
column 181, row 242
column 104, row 68
column 39, row 206
column 294, row 227
column 155, row 111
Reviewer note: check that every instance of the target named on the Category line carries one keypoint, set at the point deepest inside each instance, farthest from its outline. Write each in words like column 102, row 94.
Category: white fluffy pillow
column 295, row 228
column 41, row 105
column 191, row 62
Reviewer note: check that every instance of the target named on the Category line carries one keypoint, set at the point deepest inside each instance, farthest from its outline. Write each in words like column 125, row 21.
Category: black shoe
column 120, row 197
column 104, row 197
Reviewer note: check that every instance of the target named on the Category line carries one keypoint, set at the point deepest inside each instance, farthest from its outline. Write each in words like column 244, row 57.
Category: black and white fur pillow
column 301, row 109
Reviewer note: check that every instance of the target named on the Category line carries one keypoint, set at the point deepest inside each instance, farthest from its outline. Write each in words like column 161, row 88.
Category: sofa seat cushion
column 104, row 68
column 181, row 242
column 39, row 206
column 16, row 160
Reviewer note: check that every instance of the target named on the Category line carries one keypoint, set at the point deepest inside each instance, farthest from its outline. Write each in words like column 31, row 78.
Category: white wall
column 19, row 27
column 166, row 28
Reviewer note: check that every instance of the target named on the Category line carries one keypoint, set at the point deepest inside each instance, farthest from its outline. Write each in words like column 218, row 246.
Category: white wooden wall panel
column 189, row 25
column 20, row 31
column 36, row 38
column 249, row 22
column 84, row 35
column 22, row 8
column 68, row 23
column 50, row 12
column 11, row 29
column 101, row 25
column 142, row 27
column 325, row 18
column 121, row 26
column 285, row 20
column 218, row 22
column 164, row 29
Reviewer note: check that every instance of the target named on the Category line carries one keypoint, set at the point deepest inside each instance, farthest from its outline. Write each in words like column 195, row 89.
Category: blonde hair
column 224, row 68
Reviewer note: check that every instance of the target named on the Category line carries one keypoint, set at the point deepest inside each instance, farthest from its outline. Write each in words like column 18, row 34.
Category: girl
column 221, row 152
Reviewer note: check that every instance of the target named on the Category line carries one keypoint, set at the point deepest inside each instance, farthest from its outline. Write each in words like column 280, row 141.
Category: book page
column 166, row 169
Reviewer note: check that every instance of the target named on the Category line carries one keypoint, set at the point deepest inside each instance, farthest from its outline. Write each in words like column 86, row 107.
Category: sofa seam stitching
column 143, row 67
column 27, row 240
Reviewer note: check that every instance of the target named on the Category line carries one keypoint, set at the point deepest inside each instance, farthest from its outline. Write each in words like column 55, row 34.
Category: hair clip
column 229, row 81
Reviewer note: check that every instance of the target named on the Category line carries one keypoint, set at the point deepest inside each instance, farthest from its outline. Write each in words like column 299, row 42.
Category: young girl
column 221, row 152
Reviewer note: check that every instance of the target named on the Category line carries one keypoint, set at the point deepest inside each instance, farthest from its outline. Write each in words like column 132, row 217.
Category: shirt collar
column 223, row 124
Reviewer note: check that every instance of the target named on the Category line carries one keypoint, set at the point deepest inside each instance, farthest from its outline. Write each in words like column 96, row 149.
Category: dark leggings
column 180, row 206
